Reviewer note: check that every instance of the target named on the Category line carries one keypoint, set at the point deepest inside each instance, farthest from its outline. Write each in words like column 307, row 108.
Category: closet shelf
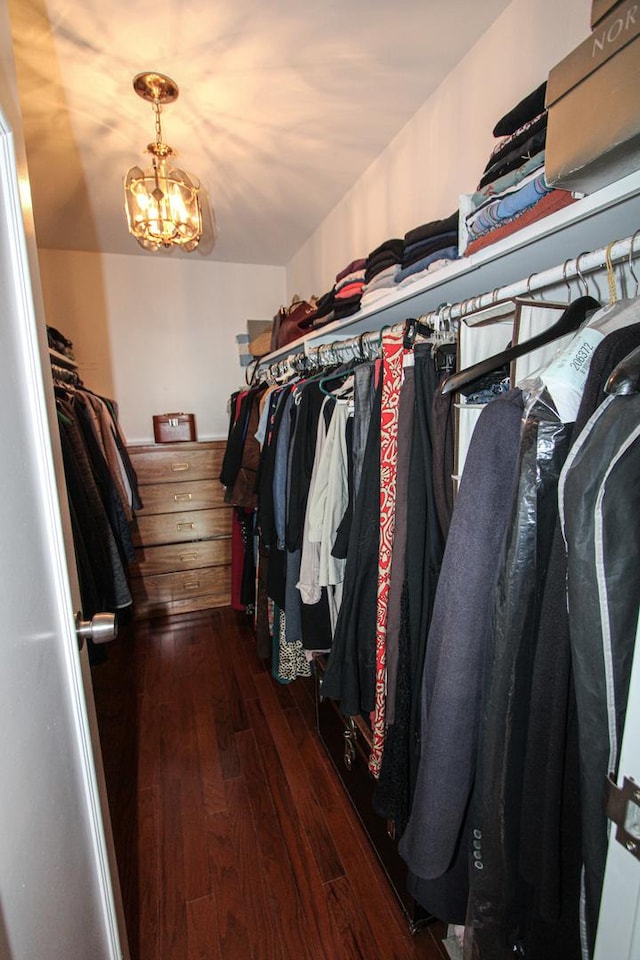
column 589, row 223
column 62, row 360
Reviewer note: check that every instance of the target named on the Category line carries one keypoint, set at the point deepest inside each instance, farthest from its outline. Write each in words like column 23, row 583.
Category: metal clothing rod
column 574, row 267
column 367, row 344
column 362, row 347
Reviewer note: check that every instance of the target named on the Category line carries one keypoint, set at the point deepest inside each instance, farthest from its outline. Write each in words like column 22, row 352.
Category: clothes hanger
column 341, row 374
column 412, row 327
column 572, row 318
column 472, row 314
column 441, row 335
column 579, row 273
column 631, row 270
column 625, row 379
column 507, row 308
column 528, row 301
column 611, row 274
column 444, row 354
column 496, row 310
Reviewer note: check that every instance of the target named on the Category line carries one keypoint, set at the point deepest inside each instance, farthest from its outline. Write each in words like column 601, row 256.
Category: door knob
column 100, row 629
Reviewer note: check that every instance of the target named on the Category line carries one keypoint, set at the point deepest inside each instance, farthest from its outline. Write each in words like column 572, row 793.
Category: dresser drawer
column 175, row 589
column 175, row 557
column 176, row 497
column 181, row 527
column 189, row 461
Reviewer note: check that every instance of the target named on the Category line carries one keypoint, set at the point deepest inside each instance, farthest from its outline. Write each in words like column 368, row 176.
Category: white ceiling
column 283, row 105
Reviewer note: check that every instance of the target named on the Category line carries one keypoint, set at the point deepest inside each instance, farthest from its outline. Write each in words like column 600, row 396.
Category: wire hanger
column 497, row 309
column 528, row 300
column 631, row 270
column 572, row 318
column 580, row 274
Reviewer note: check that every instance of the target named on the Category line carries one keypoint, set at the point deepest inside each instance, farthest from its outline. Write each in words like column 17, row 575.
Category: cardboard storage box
column 593, row 97
column 174, row 427
column 601, row 9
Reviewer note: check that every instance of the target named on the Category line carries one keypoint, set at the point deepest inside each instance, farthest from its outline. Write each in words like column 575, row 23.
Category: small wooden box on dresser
column 182, row 534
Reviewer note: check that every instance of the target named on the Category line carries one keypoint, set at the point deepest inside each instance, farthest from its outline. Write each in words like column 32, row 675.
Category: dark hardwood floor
column 235, row 840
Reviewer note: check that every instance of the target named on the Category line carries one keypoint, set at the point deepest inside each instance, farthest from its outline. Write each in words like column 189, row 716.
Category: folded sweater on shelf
column 441, row 256
column 433, row 228
column 511, row 179
column 549, row 203
column 507, row 206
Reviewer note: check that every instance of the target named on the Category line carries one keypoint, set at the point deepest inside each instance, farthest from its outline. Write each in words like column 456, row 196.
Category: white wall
column 158, row 335
column 443, row 149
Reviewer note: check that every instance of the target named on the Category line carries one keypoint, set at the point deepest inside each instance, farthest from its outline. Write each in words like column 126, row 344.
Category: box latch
column 623, row 809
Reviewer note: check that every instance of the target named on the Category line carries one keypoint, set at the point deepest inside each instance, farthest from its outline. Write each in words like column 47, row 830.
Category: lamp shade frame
column 163, row 207
column 162, row 203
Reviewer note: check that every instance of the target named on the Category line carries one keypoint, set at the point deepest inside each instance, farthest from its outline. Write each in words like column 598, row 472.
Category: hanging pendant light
column 162, row 202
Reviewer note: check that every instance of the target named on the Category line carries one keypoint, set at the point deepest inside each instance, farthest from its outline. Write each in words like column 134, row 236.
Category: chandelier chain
column 157, row 108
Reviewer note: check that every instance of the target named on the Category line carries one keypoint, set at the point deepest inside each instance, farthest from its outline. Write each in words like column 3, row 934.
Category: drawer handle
column 182, row 497
column 185, row 526
column 191, row 585
column 184, row 557
column 179, row 467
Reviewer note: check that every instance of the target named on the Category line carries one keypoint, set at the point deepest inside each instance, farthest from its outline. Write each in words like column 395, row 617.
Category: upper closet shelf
column 62, row 360
column 591, row 222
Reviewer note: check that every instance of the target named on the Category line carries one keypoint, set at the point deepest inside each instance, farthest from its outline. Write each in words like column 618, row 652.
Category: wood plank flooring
column 235, row 840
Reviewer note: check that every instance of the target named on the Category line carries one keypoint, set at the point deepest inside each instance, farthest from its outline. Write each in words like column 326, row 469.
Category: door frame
column 27, row 315
column 618, row 932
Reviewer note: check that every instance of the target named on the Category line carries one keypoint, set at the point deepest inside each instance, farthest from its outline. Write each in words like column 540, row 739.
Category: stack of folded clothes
column 513, row 191
column 381, row 269
column 428, row 247
column 324, row 312
column 342, row 300
column 348, row 289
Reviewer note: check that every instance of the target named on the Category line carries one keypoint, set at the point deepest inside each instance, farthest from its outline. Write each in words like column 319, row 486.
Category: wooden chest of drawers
column 182, row 534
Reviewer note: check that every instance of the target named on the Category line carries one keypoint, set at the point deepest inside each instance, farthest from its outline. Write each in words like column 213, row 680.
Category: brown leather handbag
column 287, row 323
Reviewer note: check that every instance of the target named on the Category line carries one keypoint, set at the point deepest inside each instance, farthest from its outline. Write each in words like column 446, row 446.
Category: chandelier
column 162, row 202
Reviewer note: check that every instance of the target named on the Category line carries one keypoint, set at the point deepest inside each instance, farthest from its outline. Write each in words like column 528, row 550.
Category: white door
column 619, row 922
column 57, row 899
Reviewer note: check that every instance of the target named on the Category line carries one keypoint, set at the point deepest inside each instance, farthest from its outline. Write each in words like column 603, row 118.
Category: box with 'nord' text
column 593, row 98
